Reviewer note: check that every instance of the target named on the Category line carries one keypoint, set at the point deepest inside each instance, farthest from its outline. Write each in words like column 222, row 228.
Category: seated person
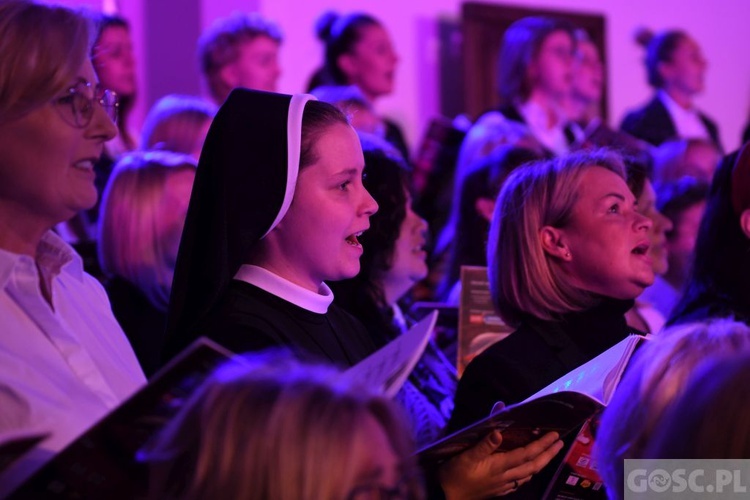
column 241, row 50
column 143, row 212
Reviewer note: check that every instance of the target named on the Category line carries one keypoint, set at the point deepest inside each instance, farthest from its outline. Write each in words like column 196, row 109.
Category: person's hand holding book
column 481, row 472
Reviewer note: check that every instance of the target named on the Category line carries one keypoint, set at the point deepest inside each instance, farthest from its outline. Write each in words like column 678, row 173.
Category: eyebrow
column 614, row 195
column 347, row 172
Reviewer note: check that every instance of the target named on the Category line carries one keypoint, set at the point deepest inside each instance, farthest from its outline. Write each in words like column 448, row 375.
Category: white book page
column 596, row 378
column 387, row 369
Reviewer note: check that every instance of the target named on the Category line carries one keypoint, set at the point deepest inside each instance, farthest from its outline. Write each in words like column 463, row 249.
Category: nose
column 368, row 206
column 665, row 223
column 101, row 127
column 642, row 222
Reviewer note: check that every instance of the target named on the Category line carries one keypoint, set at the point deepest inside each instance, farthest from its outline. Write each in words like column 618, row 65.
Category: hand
column 479, row 472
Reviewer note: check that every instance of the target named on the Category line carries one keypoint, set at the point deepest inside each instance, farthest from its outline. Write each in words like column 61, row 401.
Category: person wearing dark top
column 567, row 254
column 249, row 318
column 142, row 217
column 676, row 69
column 277, row 207
column 359, row 51
column 719, row 284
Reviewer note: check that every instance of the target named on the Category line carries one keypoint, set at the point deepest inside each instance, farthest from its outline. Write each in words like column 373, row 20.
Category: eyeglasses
column 77, row 106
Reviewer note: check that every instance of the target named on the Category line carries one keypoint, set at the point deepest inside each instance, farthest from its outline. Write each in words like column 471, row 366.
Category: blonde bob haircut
column 655, row 380
column 524, row 279
column 42, row 48
column 270, row 426
column 134, row 240
column 176, row 122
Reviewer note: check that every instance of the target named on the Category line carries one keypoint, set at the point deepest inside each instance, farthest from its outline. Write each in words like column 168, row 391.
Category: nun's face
column 331, row 208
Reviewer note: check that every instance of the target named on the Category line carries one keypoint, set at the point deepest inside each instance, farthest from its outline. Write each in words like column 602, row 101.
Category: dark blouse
column 248, row 318
column 534, row 356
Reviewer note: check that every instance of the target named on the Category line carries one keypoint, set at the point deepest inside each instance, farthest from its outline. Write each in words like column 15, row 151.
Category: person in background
column 676, row 69
column 683, row 202
column 115, row 65
column 241, row 50
column 394, row 262
column 178, row 123
column 143, row 213
column 719, row 284
column 644, row 316
column 359, row 51
column 535, row 74
column 464, row 239
column 64, row 360
column 268, row 426
column 352, row 102
column 675, row 159
column 655, row 379
column 114, row 62
column 584, row 103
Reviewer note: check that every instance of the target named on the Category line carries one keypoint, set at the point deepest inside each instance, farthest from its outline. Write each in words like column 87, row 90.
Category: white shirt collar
column 285, row 289
column 537, row 119
column 687, row 122
column 52, row 254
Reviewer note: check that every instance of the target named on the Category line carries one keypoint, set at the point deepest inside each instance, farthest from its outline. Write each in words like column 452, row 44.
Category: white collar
column 52, row 254
column 672, row 107
column 285, row 289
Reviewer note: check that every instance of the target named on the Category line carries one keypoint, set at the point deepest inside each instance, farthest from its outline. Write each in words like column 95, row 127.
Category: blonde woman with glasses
column 64, row 360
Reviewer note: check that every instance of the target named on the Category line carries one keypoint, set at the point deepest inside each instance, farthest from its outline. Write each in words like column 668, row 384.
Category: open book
column 102, row 462
column 387, row 369
column 562, row 407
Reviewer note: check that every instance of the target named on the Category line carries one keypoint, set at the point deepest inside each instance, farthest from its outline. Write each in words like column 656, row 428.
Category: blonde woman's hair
column 42, row 48
column 654, row 380
column 271, row 427
column 133, row 237
column 175, row 123
column 524, row 279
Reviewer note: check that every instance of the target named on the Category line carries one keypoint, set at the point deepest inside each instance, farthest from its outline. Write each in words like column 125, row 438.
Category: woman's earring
column 567, row 255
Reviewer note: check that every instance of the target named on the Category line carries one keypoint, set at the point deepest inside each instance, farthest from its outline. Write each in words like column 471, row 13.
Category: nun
column 276, row 210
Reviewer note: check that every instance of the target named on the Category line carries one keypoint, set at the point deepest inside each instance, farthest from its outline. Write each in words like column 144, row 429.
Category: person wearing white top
column 676, row 69
column 64, row 360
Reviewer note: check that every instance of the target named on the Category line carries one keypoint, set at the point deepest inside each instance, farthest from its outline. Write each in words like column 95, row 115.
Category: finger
column 534, row 464
column 486, row 446
column 529, row 452
column 512, row 485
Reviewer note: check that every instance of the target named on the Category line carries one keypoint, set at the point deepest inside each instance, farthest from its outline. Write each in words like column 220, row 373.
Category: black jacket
column 653, row 124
